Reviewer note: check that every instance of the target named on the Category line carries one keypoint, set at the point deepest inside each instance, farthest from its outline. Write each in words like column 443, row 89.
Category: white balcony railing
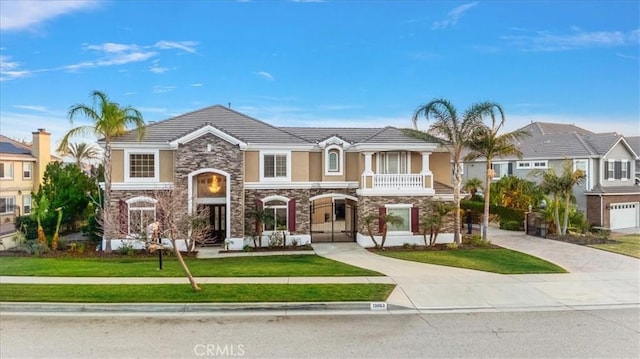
column 398, row 181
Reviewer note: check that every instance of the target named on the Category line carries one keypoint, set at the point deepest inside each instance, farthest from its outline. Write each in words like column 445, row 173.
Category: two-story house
column 608, row 196
column 22, row 168
column 319, row 183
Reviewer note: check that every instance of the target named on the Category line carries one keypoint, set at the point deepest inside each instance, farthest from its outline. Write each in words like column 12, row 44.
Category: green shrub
column 511, row 225
column 247, row 248
column 452, row 245
column 475, row 240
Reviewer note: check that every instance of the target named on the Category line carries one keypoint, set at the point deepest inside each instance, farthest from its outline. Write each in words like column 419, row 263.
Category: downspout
column 601, row 211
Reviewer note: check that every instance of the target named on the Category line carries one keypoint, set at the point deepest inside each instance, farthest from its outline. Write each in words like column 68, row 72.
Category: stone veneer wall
column 369, row 205
column 223, row 156
column 302, row 204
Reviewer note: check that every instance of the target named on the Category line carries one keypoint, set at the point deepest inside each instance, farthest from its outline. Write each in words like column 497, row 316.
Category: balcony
column 396, row 184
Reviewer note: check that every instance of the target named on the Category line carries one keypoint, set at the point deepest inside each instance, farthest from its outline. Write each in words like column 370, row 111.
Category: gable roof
column 249, row 130
column 548, row 128
column 237, row 125
column 555, row 140
column 634, row 142
column 13, row 147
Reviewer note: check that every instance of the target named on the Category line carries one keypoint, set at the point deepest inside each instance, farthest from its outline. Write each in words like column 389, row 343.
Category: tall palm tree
column 487, row 143
column 109, row 121
column 82, row 152
column 454, row 132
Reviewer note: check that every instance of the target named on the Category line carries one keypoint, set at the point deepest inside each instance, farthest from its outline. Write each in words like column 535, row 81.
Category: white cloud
column 157, row 69
column 10, row 70
column 453, row 16
column 577, row 39
column 188, row 46
column 196, row 85
column 265, row 75
column 31, row 108
column 162, row 89
column 27, row 14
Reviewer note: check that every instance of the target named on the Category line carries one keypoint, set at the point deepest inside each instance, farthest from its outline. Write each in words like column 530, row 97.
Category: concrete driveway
column 596, row 279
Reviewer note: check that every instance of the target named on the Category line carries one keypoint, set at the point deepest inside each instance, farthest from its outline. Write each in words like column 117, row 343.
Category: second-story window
column 141, row 165
column 6, row 170
column 334, row 161
column 275, row 166
column 27, row 168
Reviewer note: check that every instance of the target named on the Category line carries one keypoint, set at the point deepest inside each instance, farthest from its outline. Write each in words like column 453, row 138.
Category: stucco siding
column 352, row 166
column 299, row 166
column 315, row 166
column 117, row 165
column 252, row 166
column 166, row 166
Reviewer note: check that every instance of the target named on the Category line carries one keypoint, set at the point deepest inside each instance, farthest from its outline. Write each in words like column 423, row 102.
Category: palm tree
column 454, row 132
column 40, row 211
column 487, row 143
column 82, row 152
column 472, row 185
column 561, row 189
column 388, row 219
column 109, row 121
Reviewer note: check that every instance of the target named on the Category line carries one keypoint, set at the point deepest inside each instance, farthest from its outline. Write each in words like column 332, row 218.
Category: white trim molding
column 142, row 186
column 208, row 129
column 142, row 151
column 275, row 153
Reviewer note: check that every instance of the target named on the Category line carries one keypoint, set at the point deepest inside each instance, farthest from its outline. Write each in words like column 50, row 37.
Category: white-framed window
column 141, row 165
column 26, row 204
column 7, row 205
column 6, row 170
column 539, row 164
column 334, row 160
column 27, row 169
column 393, row 162
column 500, row 169
column 141, row 213
column 611, row 170
column 403, row 211
column 275, row 166
column 624, row 166
column 583, row 165
column 277, row 207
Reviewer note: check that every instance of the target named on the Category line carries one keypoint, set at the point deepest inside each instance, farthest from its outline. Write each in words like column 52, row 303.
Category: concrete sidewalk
column 597, row 279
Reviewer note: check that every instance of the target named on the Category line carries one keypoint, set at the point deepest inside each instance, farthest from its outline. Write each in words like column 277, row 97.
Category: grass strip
column 628, row 245
column 496, row 260
column 181, row 293
column 255, row 266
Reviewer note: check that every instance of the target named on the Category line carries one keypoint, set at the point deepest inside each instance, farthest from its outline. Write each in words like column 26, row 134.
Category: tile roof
column 250, row 130
column 240, row 126
column 634, row 142
column 547, row 128
column 598, row 189
column 550, row 140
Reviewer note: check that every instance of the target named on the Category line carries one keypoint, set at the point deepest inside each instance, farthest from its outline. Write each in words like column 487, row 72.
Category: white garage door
column 624, row 215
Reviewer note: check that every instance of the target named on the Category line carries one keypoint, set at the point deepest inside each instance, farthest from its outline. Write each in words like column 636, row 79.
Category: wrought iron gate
column 333, row 220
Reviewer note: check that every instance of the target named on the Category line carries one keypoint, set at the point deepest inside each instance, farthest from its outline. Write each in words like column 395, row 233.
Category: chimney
column 41, row 150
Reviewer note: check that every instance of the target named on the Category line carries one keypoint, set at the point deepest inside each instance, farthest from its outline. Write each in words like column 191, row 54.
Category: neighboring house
column 22, row 168
column 319, row 183
column 609, row 196
column 634, row 142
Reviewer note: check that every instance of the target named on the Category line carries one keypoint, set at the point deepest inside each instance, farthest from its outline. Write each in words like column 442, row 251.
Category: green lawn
column 257, row 266
column 501, row 260
column 628, row 245
column 211, row 293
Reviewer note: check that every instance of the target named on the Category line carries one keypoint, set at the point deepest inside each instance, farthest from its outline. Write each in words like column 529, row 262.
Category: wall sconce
column 19, row 192
column 608, row 206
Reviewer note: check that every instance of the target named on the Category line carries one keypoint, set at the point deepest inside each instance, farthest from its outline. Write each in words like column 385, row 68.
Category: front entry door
column 216, row 233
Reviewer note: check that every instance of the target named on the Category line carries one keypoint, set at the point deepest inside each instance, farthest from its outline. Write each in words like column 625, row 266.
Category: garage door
column 624, row 215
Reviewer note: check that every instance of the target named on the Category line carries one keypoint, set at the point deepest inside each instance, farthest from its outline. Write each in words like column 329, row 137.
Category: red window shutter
column 124, row 217
column 292, row 215
column 381, row 213
column 414, row 220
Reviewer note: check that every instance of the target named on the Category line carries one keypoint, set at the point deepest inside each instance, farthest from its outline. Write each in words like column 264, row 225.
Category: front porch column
column 426, row 173
column 367, row 175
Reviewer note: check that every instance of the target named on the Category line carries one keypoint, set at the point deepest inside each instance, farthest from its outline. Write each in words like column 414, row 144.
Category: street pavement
column 596, row 280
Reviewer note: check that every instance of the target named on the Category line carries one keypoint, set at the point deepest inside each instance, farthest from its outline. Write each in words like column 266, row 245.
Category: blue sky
column 322, row 63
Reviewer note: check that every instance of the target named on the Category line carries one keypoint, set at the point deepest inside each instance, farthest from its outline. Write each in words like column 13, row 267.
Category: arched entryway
column 333, row 218
column 209, row 191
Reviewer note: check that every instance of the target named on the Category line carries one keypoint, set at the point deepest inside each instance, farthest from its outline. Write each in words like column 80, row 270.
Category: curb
column 185, row 308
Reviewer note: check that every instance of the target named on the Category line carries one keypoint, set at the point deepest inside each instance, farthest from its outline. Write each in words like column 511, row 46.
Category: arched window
column 141, row 213
column 278, row 211
column 334, row 161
